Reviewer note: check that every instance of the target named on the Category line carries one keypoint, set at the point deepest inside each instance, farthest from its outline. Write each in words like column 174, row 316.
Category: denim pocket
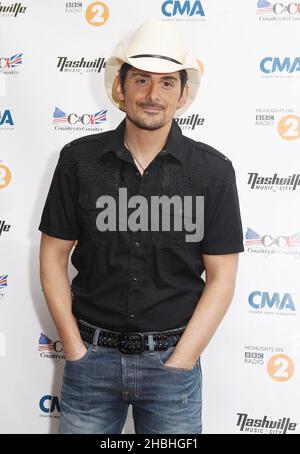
column 83, row 358
column 164, row 355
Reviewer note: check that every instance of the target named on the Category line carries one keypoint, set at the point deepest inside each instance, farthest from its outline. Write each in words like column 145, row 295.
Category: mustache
column 152, row 106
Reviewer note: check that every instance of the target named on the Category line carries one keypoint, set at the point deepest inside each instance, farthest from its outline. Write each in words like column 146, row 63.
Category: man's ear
column 117, row 93
column 183, row 98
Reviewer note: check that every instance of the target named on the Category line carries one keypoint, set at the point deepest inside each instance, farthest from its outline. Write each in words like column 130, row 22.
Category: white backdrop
column 51, row 66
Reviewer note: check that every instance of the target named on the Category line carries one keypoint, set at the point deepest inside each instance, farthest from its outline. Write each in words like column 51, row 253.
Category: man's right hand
column 72, row 354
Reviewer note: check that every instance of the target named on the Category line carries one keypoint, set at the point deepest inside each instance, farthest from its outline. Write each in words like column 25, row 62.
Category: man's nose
column 153, row 91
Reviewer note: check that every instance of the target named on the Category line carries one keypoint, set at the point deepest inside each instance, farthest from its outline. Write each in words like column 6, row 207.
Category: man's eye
column 141, row 81
column 168, row 84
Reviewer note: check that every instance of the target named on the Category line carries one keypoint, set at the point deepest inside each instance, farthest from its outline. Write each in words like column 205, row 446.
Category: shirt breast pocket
column 93, row 207
column 175, row 226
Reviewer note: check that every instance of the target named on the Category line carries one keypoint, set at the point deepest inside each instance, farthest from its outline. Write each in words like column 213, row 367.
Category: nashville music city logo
column 160, row 213
column 273, row 183
column 81, row 66
column 3, row 226
column 189, row 123
column 12, row 10
column 265, row 425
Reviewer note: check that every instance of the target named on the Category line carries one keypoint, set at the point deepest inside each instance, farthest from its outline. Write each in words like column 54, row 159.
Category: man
column 138, row 315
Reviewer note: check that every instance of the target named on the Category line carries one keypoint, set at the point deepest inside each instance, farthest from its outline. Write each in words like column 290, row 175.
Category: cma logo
column 6, row 118
column 48, row 404
column 261, row 300
column 272, row 64
column 172, row 8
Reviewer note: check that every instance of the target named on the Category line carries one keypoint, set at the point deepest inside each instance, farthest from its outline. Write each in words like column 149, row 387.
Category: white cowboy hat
column 156, row 46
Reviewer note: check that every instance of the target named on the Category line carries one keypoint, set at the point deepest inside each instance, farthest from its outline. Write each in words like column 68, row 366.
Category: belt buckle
column 126, row 338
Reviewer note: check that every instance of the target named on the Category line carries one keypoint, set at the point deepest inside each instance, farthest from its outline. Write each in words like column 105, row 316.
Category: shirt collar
column 174, row 144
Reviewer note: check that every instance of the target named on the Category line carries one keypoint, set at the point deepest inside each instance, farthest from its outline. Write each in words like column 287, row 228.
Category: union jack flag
column 294, row 240
column 13, row 61
column 98, row 117
column 3, row 280
column 45, row 343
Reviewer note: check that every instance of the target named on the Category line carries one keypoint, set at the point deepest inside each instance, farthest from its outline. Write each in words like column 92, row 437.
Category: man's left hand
column 176, row 362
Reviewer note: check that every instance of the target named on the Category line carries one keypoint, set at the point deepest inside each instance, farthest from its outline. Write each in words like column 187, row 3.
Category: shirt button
column 137, row 173
column 147, row 172
column 134, row 279
column 132, row 316
column 137, row 243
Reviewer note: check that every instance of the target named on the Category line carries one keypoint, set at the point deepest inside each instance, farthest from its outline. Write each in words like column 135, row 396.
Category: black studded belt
column 129, row 342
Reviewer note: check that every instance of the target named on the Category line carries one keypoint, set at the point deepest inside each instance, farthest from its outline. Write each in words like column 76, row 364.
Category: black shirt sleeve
column 59, row 217
column 223, row 232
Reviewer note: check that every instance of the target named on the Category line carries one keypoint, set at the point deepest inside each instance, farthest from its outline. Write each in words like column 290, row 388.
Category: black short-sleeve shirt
column 137, row 279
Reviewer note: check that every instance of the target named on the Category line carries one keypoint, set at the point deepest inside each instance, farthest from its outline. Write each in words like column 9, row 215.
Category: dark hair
column 124, row 69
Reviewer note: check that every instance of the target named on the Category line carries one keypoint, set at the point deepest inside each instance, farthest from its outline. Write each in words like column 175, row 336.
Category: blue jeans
column 98, row 388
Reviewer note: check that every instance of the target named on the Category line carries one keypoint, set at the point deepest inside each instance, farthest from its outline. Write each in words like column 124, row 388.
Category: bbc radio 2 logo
column 289, row 127
column 271, row 303
column 281, row 367
column 286, row 121
column 5, row 176
column 49, row 406
column 183, row 9
column 97, row 14
column 74, row 7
